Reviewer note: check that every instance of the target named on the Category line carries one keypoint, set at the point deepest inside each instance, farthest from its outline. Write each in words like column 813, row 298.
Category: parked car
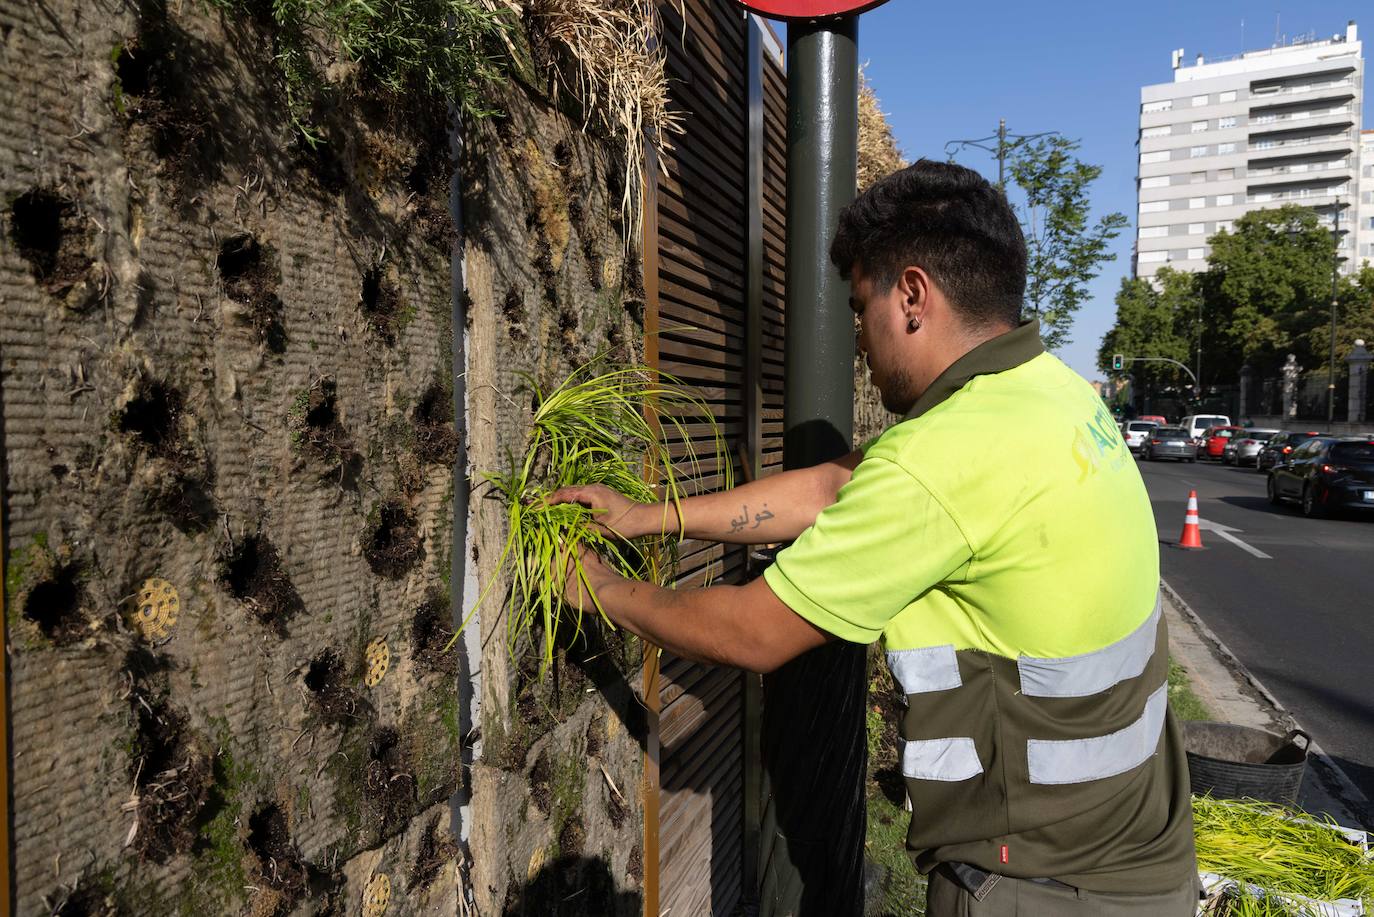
column 1135, row 431
column 1169, row 442
column 1214, row 439
column 1326, row 474
column 1157, row 418
column 1197, row 424
column 1279, row 446
column 1245, row 449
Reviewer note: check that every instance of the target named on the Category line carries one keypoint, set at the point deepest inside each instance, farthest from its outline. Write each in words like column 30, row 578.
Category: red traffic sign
column 809, row 9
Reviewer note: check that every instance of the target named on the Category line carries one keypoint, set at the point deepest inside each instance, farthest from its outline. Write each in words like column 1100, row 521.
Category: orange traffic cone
column 1192, row 535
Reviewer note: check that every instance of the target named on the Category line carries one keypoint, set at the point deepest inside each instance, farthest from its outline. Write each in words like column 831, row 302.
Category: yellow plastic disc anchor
column 155, row 613
column 378, row 659
column 376, row 895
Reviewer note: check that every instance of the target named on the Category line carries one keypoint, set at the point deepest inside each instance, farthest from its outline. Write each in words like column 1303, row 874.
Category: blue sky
column 948, row 71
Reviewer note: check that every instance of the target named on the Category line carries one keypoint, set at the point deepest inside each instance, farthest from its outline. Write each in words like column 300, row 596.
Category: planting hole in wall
column 55, row 603
column 436, row 442
column 327, row 682
column 430, row 632
column 251, row 571
column 171, row 775
column 392, row 542
column 250, row 275
column 436, row 848
column 153, row 416
column 279, row 864
column 388, row 782
column 380, row 302
column 50, row 233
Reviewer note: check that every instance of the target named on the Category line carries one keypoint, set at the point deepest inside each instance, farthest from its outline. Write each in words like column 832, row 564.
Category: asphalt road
column 1301, row 619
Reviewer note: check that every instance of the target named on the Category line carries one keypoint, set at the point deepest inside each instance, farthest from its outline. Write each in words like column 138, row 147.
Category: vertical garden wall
column 227, row 409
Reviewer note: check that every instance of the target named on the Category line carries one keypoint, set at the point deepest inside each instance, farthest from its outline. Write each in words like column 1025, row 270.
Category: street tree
column 1153, row 319
column 1266, row 290
column 1066, row 250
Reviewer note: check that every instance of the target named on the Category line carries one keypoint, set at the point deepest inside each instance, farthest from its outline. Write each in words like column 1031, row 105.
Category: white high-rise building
column 1364, row 236
column 1261, row 129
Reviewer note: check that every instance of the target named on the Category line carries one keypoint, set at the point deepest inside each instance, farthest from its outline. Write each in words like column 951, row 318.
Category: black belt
column 979, row 882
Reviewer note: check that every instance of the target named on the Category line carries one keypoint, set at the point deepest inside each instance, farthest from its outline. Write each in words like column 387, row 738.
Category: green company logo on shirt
column 1102, row 442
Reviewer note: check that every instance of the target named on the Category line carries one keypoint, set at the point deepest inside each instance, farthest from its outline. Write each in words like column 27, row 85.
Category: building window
column 1197, row 203
column 1197, row 151
column 1199, row 177
column 1196, row 229
column 1156, row 156
column 1152, row 257
column 1227, row 96
column 1225, row 200
column 1199, row 126
column 1199, row 100
column 1153, row 206
column 1155, row 181
column 1196, row 254
column 1225, row 174
column 1371, row 223
column 1149, row 132
column 1224, row 148
column 1226, row 122
column 1224, row 225
column 1151, row 107
column 1153, row 232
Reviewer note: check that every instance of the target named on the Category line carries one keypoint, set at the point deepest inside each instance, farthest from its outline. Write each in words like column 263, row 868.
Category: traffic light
column 1118, row 362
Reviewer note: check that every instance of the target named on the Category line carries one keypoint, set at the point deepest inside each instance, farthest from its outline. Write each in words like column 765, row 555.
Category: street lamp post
column 1335, row 276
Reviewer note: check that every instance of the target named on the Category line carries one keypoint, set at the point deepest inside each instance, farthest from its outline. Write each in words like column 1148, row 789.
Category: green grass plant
column 627, row 427
column 1279, row 850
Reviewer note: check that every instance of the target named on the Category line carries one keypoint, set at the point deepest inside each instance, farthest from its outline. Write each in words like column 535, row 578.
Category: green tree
column 1153, row 319
column 1066, row 250
column 1266, row 288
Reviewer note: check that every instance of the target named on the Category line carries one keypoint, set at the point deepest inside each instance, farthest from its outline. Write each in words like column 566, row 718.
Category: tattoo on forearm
column 740, row 522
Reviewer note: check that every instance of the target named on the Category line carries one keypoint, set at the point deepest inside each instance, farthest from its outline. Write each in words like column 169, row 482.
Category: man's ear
column 914, row 286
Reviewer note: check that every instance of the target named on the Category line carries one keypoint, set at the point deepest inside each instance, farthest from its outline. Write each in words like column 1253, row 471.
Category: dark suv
column 1279, row 447
column 1326, row 474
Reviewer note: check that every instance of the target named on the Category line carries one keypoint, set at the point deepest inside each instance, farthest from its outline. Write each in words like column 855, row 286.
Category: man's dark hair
column 948, row 220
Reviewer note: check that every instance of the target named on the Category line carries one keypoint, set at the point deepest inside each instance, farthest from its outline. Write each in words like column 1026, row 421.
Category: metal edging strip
column 650, row 788
column 753, row 413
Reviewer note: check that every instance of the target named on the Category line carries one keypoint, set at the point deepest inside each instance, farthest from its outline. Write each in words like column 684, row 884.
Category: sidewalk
column 1233, row 695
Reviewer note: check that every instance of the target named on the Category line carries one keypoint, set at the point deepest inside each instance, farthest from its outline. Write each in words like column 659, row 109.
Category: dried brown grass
column 607, row 55
column 879, row 154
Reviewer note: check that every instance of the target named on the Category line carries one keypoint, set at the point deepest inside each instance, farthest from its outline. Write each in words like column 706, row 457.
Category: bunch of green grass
column 1279, row 850
column 627, row 427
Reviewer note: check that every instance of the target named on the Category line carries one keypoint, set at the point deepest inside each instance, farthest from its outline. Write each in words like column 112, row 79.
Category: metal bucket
column 1239, row 762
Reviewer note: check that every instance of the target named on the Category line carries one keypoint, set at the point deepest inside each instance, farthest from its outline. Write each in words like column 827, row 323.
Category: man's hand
column 613, row 513
column 594, row 573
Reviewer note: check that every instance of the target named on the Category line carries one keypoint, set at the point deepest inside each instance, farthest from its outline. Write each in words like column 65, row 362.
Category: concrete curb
column 1335, row 781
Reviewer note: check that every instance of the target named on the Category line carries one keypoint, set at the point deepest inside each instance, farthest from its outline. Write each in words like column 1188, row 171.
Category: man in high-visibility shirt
column 999, row 540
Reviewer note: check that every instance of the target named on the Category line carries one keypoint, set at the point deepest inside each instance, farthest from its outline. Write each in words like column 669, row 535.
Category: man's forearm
column 776, row 508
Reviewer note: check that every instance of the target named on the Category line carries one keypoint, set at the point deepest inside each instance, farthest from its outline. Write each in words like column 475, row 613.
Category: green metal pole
column 813, row 741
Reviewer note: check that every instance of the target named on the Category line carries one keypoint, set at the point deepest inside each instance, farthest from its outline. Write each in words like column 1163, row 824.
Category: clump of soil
column 541, row 784
column 388, row 781
column 380, row 303
column 634, row 867
column 573, row 837
column 250, row 274
column 172, row 778
column 436, row 848
column 252, row 573
column 327, row 683
column 182, row 488
column 513, row 308
column 54, row 237
column 430, row 632
column 86, row 900
column 436, row 442
column 278, row 863
column 392, row 541
column 56, row 604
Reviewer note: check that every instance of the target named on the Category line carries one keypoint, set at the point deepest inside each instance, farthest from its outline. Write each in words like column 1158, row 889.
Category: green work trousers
column 1020, row 898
